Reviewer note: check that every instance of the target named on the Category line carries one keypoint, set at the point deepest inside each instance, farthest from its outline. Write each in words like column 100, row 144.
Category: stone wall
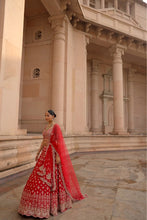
column 140, row 15
column 36, row 79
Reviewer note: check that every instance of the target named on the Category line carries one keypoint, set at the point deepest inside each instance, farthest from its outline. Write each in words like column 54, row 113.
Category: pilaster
column 131, row 76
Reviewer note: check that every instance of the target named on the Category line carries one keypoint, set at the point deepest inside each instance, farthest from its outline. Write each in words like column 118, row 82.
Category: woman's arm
column 43, row 143
column 57, row 158
column 41, row 146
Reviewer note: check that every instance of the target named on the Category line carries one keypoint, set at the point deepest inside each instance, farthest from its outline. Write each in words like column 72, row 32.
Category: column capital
column 117, row 50
column 57, row 20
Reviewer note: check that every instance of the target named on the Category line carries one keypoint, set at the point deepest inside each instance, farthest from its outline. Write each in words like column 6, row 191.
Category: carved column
column 116, row 4
column 94, row 96
column 131, row 100
column 58, row 70
column 128, row 7
column 102, row 3
column 117, row 52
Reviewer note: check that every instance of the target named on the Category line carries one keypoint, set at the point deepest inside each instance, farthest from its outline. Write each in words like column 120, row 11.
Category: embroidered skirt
column 38, row 198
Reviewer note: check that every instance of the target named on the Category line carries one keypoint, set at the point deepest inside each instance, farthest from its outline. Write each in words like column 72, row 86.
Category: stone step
column 18, row 154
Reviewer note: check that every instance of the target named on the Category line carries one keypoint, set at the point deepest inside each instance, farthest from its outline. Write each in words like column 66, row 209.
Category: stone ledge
column 19, row 154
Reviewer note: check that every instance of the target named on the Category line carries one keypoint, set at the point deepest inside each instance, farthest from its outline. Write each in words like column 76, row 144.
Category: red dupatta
column 69, row 175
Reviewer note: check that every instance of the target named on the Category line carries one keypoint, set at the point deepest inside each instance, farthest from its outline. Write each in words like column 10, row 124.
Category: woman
column 53, row 185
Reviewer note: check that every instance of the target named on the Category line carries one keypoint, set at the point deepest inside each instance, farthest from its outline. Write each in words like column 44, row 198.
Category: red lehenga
column 51, row 187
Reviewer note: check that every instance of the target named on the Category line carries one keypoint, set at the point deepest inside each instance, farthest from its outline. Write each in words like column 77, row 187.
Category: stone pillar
column 58, row 70
column 131, row 100
column 11, row 38
column 117, row 52
column 89, row 95
column 94, row 96
column 116, row 4
column 102, row 4
column 128, row 7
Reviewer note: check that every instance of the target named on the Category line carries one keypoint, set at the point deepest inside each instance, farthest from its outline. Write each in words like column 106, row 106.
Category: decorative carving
column 75, row 21
column 64, row 4
column 87, row 27
column 70, row 14
column 117, row 51
column 36, row 73
column 38, row 35
column 120, row 39
column 96, row 31
column 130, row 42
column 99, row 31
column 110, row 35
column 57, row 21
column 139, row 45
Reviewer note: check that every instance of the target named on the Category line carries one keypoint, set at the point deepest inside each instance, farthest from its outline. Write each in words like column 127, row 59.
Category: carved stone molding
column 120, row 38
column 75, row 21
column 70, row 14
column 99, row 32
column 65, row 4
column 96, row 30
column 87, row 27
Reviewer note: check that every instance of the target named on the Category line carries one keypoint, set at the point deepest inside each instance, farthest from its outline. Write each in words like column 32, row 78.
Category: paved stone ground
column 114, row 181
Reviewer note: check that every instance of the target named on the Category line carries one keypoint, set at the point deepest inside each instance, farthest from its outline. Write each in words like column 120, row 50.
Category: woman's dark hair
column 51, row 112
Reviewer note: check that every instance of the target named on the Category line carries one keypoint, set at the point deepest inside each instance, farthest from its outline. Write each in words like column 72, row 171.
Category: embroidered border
column 54, row 180
column 60, row 168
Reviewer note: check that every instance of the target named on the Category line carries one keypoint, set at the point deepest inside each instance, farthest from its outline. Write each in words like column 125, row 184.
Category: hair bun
column 51, row 112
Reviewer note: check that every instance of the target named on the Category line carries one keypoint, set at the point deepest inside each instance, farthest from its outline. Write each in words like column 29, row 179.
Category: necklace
column 49, row 125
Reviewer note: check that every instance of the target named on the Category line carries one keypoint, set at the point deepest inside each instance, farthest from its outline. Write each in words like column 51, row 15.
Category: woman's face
column 49, row 117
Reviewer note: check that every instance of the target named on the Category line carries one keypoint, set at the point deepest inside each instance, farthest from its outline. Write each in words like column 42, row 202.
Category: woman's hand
column 57, row 159
column 45, row 142
column 36, row 158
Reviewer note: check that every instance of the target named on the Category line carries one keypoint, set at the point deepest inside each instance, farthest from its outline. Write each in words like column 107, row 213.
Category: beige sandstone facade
column 86, row 60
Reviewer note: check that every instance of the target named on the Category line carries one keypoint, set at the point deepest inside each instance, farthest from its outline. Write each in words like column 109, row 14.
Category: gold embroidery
column 31, row 205
column 45, row 181
column 60, row 168
column 54, row 181
column 43, row 169
column 48, row 176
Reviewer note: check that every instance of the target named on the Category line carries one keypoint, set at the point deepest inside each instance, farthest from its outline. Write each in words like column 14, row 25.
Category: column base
column 131, row 131
column 96, row 131
column 124, row 132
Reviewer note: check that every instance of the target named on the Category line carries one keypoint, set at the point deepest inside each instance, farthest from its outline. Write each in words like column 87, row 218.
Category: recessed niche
column 38, row 35
column 36, row 73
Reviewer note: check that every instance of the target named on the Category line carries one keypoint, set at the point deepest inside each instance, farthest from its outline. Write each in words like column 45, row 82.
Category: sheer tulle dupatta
column 69, row 175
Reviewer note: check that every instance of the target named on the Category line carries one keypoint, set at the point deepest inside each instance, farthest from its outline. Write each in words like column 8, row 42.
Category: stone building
column 86, row 59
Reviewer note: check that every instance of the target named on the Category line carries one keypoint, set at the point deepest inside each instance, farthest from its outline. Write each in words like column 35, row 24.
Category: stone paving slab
column 114, row 181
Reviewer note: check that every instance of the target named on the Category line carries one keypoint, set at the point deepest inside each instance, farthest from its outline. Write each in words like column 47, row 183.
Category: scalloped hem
column 43, row 217
column 33, row 215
